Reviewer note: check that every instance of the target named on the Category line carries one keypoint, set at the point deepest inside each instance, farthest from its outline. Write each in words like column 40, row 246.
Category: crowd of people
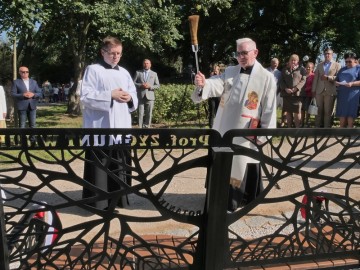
column 54, row 93
column 333, row 89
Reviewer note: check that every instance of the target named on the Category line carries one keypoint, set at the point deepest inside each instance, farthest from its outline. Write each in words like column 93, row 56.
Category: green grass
column 54, row 116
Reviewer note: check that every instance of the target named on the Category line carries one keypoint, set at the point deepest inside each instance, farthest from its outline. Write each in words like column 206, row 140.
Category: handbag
column 313, row 108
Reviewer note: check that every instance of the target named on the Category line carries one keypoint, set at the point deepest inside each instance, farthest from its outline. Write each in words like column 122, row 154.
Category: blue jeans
column 29, row 115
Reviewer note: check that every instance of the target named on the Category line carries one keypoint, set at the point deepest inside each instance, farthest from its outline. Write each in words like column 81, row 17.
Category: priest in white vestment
column 248, row 97
column 108, row 96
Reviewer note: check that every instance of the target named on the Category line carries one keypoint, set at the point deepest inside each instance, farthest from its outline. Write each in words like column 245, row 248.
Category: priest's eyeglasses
column 113, row 54
column 243, row 53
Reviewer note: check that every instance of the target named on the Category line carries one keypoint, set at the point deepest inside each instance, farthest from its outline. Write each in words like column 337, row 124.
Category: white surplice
column 99, row 110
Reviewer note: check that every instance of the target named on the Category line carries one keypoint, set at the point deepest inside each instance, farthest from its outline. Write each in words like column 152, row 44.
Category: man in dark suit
column 146, row 81
column 26, row 92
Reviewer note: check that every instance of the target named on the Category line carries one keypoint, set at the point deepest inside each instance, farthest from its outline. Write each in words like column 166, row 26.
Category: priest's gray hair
column 246, row 40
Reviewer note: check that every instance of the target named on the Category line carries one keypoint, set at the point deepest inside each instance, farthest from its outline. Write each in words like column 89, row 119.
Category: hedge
column 173, row 106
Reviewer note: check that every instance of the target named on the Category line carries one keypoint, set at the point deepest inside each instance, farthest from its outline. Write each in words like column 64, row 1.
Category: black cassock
column 109, row 171
column 249, row 189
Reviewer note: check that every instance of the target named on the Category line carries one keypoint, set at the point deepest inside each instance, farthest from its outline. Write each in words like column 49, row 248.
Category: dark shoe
column 114, row 211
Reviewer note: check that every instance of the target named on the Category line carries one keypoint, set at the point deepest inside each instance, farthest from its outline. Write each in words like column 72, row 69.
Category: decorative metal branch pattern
column 323, row 172
column 48, row 179
column 318, row 217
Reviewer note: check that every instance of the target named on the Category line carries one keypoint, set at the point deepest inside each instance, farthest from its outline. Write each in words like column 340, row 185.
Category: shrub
column 173, row 104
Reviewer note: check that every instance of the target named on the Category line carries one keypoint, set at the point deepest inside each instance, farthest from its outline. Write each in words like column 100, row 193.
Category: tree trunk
column 78, row 49
column 73, row 107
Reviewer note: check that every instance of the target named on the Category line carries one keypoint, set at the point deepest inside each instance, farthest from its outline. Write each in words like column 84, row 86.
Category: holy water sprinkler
column 194, row 21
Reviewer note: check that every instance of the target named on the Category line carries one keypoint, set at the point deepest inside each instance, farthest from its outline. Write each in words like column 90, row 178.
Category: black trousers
column 213, row 107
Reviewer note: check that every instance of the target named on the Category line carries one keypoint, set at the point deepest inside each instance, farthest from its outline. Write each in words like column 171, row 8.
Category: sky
column 3, row 36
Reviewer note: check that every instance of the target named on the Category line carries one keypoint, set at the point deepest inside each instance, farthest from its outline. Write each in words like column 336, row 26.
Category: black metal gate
column 49, row 225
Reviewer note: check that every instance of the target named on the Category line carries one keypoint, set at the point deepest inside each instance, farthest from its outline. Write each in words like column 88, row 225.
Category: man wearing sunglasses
column 26, row 93
column 248, row 100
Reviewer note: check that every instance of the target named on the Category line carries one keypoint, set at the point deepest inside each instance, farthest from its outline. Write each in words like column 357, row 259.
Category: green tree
column 345, row 19
column 63, row 36
column 19, row 19
column 77, row 27
column 280, row 28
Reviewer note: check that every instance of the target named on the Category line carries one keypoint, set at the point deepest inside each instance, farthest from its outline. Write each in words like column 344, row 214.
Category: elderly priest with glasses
column 248, row 100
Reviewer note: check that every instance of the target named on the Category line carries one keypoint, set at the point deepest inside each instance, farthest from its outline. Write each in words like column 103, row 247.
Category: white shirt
column 146, row 74
column 27, row 83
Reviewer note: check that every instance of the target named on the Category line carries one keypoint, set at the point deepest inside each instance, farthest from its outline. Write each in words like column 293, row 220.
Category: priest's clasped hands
column 120, row 95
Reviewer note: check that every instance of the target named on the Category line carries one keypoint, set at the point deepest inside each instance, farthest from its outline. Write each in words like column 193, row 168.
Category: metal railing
column 48, row 223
